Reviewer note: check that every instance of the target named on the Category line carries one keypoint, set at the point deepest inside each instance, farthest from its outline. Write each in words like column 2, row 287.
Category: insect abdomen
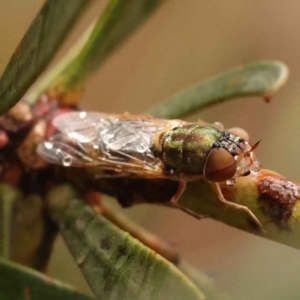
column 185, row 148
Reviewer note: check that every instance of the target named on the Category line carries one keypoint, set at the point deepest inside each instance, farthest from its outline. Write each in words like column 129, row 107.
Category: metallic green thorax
column 185, row 149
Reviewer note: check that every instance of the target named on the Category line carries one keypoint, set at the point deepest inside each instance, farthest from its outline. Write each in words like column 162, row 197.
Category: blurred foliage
column 117, row 22
column 18, row 282
column 38, row 46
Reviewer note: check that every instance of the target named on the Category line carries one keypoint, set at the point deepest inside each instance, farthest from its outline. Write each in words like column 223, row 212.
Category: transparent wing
column 120, row 143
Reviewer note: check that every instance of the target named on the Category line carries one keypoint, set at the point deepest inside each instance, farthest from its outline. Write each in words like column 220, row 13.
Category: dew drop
column 80, row 258
column 172, row 172
column 48, row 145
column 67, row 161
column 219, row 126
column 82, row 114
column 230, row 182
column 255, row 167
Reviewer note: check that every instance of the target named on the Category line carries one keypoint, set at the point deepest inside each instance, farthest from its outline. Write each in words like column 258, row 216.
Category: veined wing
column 122, row 143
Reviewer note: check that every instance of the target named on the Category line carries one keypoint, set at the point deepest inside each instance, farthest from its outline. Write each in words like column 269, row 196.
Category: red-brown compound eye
column 220, row 165
column 240, row 132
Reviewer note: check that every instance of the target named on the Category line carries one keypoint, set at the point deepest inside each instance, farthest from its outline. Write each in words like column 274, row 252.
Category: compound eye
column 240, row 132
column 220, row 165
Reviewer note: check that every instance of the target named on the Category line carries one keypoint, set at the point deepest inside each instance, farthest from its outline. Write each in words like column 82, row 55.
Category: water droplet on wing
column 230, row 182
column 48, row 145
column 255, row 167
column 82, row 114
column 67, row 161
column 219, row 126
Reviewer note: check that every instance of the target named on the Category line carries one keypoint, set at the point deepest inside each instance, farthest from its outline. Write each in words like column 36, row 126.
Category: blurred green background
column 181, row 44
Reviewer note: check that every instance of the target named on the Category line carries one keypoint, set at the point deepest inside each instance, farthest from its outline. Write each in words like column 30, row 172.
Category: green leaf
column 262, row 78
column 118, row 21
column 8, row 197
column 116, row 265
column 21, row 283
column 37, row 48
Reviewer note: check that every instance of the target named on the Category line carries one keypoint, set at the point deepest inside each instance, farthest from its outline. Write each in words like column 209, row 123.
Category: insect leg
column 177, row 196
column 219, row 193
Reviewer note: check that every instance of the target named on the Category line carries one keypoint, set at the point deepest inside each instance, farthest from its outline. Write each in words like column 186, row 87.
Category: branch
column 271, row 197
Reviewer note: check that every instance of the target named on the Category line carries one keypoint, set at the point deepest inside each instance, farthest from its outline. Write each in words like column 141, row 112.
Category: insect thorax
column 185, row 149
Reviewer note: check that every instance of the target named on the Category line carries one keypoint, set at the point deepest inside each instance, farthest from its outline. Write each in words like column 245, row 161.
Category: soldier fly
column 146, row 147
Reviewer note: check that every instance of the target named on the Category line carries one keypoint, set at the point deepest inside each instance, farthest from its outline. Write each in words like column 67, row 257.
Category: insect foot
column 177, row 196
column 220, row 195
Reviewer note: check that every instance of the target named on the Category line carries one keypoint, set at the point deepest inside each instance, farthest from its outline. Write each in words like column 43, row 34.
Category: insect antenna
column 253, row 147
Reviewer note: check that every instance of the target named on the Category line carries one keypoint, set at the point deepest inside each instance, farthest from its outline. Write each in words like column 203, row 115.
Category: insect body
column 151, row 148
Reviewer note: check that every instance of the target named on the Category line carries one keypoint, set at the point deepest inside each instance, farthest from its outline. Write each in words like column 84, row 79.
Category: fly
column 147, row 147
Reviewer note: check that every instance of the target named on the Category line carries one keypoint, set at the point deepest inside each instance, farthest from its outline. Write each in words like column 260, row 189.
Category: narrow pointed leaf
column 262, row 78
column 116, row 265
column 118, row 21
column 42, row 40
column 21, row 283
